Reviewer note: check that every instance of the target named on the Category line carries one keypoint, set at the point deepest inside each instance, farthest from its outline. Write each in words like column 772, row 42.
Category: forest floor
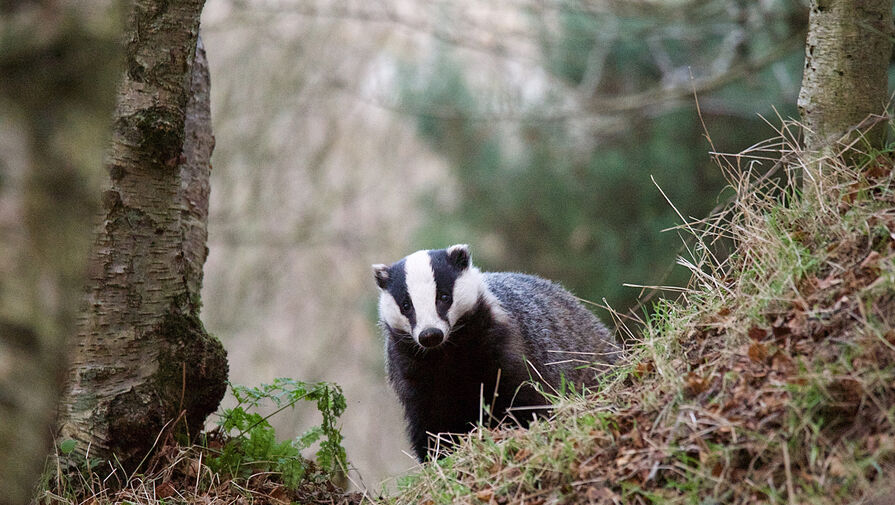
column 770, row 379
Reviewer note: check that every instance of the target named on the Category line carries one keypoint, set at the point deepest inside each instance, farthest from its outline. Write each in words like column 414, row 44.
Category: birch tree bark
column 846, row 63
column 143, row 361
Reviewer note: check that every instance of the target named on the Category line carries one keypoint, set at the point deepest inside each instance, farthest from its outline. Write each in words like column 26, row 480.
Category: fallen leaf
column 846, row 391
column 871, row 258
column 799, row 322
column 780, row 331
column 192, row 468
column 485, row 495
column 644, row 368
column 756, row 333
column 758, row 352
column 780, row 362
column 695, row 384
column 880, row 167
column 829, row 282
column 600, row 495
column 164, row 490
column 625, row 458
column 585, row 470
column 280, row 494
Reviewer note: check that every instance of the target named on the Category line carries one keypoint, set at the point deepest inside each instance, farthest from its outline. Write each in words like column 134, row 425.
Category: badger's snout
column 430, row 337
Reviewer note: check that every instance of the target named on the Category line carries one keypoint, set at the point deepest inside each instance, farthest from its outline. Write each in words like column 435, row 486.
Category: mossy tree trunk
column 56, row 98
column 845, row 80
column 143, row 361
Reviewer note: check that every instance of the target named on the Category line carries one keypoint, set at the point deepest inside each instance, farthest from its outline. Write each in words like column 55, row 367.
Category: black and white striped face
column 424, row 294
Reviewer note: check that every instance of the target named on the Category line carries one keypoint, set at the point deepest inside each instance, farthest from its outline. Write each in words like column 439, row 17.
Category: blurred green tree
column 58, row 66
column 561, row 185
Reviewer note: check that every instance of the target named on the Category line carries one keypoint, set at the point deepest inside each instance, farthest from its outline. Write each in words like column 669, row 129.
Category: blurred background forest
column 355, row 132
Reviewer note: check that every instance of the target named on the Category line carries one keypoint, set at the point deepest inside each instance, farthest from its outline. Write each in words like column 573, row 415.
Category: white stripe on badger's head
column 421, row 285
column 429, row 291
column 468, row 287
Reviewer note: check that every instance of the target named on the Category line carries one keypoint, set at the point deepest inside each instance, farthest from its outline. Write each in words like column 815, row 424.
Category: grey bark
column 143, row 361
column 50, row 80
column 845, row 80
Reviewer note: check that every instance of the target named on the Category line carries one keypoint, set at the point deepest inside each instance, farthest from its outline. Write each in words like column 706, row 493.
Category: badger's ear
column 458, row 255
column 380, row 273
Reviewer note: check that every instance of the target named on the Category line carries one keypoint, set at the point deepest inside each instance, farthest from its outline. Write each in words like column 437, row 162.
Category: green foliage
column 67, row 446
column 252, row 445
column 574, row 202
column 243, row 446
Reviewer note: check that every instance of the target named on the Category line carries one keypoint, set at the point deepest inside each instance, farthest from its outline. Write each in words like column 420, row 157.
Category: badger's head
column 424, row 294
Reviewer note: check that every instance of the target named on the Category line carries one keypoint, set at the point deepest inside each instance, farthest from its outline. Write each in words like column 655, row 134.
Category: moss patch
column 188, row 385
column 159, row 133
column 193, row 369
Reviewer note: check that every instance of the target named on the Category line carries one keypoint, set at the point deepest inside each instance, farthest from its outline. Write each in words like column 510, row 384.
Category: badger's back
column 560, row 337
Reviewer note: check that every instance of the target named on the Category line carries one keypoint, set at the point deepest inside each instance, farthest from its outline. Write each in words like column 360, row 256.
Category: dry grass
column 770, row 380
column 181, row 475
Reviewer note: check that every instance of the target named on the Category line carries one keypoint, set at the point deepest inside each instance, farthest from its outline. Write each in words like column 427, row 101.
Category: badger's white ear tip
column 458, row 254
column 380, row 273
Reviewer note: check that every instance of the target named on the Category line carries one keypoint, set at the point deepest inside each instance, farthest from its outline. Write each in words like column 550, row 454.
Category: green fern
column 252, row 445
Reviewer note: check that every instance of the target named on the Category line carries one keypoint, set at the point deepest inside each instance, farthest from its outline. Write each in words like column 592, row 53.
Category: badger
column 465, row 346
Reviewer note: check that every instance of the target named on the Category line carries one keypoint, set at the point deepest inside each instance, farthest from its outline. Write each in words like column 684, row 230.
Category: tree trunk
column 56, row 98
column 846, row 64
column 143, row 359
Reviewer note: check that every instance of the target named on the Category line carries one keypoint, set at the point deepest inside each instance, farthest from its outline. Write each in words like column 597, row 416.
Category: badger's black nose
column 430, row 337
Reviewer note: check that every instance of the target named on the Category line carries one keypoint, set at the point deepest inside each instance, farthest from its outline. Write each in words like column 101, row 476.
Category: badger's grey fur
column 455, row 336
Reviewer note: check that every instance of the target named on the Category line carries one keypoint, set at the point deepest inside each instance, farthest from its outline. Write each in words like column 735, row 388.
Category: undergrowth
column 770, row 379
column 240, row 461
column 249, row 441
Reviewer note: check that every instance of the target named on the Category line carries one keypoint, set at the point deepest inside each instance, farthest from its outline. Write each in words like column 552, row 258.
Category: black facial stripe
column 411, row 317
column 397, row 287
column 445, row 276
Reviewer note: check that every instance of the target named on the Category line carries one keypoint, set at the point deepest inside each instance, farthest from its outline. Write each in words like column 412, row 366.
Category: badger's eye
column 444, row 297
column 406, row 306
